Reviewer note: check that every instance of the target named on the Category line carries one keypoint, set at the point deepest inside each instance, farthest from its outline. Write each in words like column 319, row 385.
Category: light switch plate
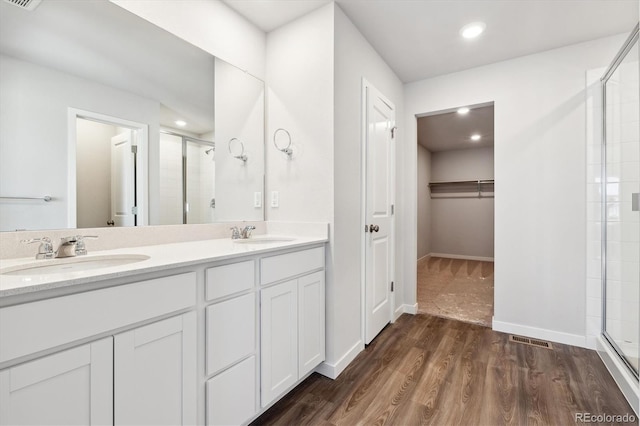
column 275, row 199
column 257, row 199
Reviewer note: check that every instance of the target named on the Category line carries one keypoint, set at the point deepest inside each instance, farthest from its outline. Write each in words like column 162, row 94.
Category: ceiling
column 420, row 38
column 445, row 131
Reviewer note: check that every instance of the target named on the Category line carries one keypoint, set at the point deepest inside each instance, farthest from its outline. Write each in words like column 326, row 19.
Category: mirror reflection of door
column 123, row 197
column 105, row 174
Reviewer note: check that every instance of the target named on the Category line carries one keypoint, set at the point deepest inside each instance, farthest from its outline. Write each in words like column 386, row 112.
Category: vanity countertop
column 161, row 257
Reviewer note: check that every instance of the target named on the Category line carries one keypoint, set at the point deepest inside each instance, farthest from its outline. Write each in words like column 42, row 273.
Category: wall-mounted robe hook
column 287, row 149
column 242, row 156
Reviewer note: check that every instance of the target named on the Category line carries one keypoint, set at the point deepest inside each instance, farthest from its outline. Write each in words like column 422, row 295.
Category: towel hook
column 287, row 149
column 242, row 156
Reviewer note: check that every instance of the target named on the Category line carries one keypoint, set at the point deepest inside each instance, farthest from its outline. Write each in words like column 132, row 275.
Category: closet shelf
column 479, row 188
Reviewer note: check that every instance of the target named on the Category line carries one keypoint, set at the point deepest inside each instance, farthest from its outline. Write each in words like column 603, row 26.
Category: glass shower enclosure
column 187, row 179
column 621, row 204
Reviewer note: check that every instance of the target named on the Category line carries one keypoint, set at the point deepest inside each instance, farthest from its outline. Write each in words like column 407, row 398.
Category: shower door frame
column 185, row 139
column 619, row 58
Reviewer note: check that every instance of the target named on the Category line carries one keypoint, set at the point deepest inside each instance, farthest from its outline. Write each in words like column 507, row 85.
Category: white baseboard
column 409, row 309
column 461, row 256
column 424, row 257
column 541, row 333
column 333, row 370
column 399, row 311
column 592, row 342
column 626, row 382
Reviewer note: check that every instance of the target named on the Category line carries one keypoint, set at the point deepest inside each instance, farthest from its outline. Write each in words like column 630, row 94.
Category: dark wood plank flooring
column 426, row 370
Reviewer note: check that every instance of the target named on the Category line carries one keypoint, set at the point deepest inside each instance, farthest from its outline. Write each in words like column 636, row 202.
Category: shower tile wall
column 594, row 206
column 200, row 184
column 170, row 179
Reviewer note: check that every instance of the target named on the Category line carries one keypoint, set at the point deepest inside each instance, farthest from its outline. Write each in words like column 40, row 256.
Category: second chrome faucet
column 244, row 233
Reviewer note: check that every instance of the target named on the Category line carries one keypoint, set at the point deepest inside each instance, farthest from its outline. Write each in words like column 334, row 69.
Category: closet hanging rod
column 453, row 182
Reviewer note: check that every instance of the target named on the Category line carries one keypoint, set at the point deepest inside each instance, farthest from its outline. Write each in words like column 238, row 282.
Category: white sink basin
column 263, row 240
column 72, row 264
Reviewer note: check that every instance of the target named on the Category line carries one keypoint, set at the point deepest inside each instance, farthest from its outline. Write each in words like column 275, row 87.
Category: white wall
column 540, row 173
column 423, row 202
column 211, row 25
column 315, row 67
column 462, row 226
column 239, row 106
column 355, row 59
column 300, row 100
column 39, row 166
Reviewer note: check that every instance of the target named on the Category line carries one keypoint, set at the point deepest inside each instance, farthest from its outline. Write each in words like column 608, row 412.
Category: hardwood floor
column 456, row 288
column 427, row 370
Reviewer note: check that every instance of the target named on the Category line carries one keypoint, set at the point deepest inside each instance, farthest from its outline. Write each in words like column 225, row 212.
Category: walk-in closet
column 456, row 188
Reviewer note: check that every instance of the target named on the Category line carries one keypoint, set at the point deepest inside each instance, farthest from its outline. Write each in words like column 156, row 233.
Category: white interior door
column 123, row 197
column 379, row 179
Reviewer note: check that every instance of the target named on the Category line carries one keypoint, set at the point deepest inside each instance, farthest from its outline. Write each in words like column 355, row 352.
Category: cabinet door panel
column 279, row 339
column 155, row 373
column 71, row 387
column 231, row 395
column 311, row 317
column 231, row 331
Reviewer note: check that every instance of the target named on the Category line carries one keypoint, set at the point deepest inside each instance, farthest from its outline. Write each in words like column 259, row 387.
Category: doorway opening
column 455, row 211
column 107, row 171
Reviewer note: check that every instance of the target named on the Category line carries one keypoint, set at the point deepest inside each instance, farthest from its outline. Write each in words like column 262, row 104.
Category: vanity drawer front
column 231, row 331
column 231, row 395
column 37, row 326
column 229, row 279
column 276, row 268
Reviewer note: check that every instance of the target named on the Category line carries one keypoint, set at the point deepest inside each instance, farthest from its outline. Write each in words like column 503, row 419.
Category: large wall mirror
column 117, row 122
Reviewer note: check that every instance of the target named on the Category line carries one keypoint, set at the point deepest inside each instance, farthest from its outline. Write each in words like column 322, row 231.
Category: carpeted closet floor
column 457, row 289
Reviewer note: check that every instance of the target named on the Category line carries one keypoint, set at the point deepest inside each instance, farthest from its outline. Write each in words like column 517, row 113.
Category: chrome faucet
column 81, row 248
column 235, row 233
column 45, row 250
column 73, row 246
column 246, row 232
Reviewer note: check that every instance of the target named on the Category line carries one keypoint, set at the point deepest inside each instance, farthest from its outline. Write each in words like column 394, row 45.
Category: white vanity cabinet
column 72, row 387
column 292, row 319
column 129, row 351
column 143, row 375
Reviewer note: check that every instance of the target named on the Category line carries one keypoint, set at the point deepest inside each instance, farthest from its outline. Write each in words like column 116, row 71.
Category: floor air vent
column 24, row 4
column 531, row 342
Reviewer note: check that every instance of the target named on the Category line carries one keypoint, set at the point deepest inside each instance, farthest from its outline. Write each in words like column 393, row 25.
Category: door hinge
column 134, row 149
column 393, row 209
column 393, row 132
column 392, row 286
column 134, row 210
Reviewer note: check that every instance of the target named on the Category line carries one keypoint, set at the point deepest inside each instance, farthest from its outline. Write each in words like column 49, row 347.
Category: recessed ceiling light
column 473, row 29
column 180, row 123
column 463, row 110
column 475, row 137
